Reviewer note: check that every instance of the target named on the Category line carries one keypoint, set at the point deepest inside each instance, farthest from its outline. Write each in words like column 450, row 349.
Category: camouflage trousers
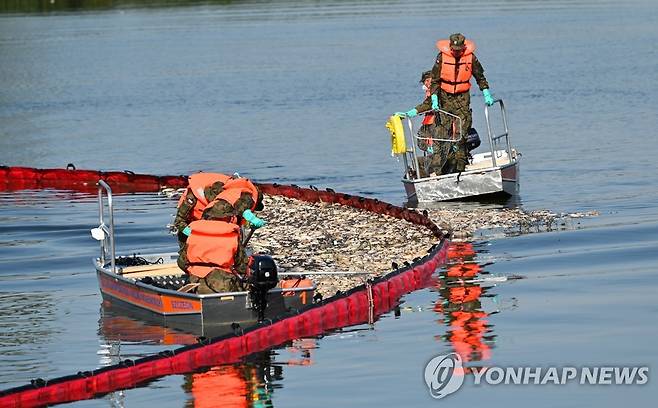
column 217, row 281
column 436, row 162
column 460, row 105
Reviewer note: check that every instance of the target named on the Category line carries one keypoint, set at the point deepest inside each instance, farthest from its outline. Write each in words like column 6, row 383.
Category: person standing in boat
column 213, row 253
column 427, row 133
column 436, row 152
column 455, row 65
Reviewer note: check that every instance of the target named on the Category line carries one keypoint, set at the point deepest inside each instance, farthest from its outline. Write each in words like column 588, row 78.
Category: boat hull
column 180, row 309
column 502, row 180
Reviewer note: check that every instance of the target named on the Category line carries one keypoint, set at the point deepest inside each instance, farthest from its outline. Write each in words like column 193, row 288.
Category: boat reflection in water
column 463, row 287
column 248, row 383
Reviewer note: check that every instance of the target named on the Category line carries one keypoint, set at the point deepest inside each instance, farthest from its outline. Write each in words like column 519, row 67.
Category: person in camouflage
column 232, row 203
column 455, row 65
column 426, row 133
column 202, row 189
column 435, row 153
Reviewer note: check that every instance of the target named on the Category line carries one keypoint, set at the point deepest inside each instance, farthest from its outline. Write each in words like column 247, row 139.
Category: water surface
column 298, row 92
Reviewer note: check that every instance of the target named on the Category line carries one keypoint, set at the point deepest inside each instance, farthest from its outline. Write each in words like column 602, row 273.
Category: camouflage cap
column 457, row 41
column 424, row 76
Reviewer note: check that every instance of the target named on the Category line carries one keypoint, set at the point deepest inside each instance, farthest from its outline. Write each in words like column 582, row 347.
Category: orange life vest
column 429, row 117
column 428, row 120
column 197, row 184
column 456, row 74
column 234, row 188
column 212, row 245
column 296, row 283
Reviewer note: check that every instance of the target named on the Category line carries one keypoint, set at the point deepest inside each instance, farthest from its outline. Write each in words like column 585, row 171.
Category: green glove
column 187, row 231
column 430, row 150
column 252, row 219
column 487, row 97
column 435, row 102
column 411, row 113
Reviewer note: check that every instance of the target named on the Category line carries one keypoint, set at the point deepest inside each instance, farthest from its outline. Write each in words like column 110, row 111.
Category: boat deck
column 484, row 161
column 142, row 271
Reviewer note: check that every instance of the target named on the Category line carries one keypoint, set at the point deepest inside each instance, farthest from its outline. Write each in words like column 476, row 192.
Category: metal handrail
column 435, row 111
column 107, row 243
column 493, row 139
column 411, row 139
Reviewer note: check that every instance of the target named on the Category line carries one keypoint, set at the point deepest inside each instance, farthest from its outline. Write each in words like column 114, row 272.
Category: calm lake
column 298, row 92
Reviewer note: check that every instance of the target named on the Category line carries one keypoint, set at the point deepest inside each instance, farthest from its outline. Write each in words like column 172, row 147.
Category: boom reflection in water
column 247, row 383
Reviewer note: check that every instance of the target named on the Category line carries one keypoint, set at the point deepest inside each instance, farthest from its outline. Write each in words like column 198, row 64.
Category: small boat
column 152, row 286
column 362, row 304
column 489, row 174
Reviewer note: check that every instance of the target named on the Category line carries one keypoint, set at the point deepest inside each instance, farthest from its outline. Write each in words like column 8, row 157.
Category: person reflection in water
column 247, row 384
column 238, row 385
column 469, row 334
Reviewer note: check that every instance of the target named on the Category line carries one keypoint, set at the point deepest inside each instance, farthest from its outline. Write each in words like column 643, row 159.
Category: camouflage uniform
column 184, row 212
column 219, row 280
column 222, row 210
column 457, row 104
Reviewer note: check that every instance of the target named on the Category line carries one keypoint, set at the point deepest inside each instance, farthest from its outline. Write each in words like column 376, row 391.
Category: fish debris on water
column 462, row 224
column 324, row 237
column 306, row 237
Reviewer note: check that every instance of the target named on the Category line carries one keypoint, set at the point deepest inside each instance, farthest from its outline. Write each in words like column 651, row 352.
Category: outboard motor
column 472, row 139
column 262, row 278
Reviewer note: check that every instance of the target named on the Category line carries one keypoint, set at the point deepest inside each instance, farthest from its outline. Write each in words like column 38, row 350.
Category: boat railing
column 496, row 140
column 105, row 231
column 415, row 138
column 498, row 143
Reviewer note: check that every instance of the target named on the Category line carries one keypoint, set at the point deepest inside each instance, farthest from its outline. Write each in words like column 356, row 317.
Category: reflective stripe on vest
column 456, row 74
column 212, row 245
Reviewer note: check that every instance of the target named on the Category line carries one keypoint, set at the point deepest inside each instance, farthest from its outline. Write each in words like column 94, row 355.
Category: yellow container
column 394, row 125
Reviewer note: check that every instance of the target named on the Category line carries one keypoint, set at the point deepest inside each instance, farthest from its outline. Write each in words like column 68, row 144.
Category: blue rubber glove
column 435, row 102
column 488, row 99
column 430, row 150
column 401, row 114
column 411, row 113
column 187, row 231
column 252, row 219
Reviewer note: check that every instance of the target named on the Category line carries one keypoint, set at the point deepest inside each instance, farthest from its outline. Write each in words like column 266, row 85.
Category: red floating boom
column 360, row 305
column 28, row 178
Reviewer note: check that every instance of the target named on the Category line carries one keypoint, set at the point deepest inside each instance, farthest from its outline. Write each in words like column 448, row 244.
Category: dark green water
column 298, row 92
